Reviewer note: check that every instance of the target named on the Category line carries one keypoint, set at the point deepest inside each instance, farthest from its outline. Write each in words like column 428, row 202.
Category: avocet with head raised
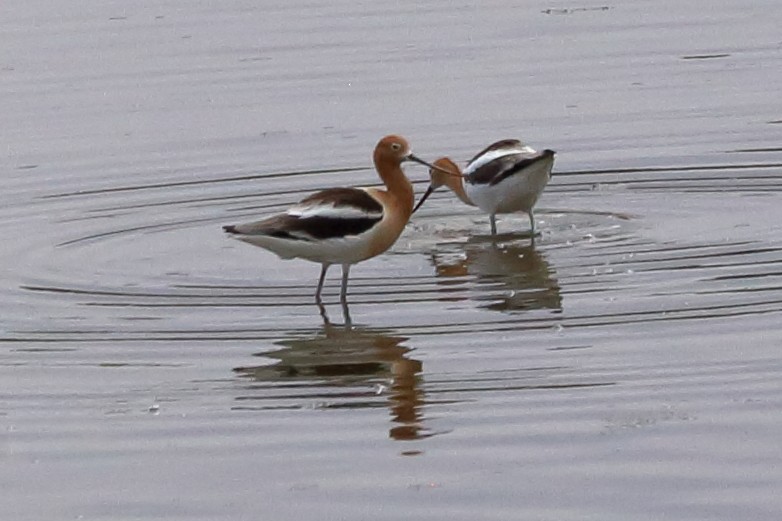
column 342, row 225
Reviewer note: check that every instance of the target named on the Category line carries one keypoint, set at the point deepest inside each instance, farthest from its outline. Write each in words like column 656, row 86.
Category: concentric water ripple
column 626, row 366
column 445, row 261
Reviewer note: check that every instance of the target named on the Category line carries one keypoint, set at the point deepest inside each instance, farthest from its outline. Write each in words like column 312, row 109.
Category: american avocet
column 505, row 177
column 342, row 225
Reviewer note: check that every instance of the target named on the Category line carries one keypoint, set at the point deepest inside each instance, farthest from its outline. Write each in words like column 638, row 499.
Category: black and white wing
column 330, row 214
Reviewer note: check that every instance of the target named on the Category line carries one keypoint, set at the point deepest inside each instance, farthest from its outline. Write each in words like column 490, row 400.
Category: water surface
column 625, row 367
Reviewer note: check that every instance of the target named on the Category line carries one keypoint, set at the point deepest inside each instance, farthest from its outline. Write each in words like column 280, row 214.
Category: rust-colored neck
column 455, row 182
column 390, row 171
column 457, row 185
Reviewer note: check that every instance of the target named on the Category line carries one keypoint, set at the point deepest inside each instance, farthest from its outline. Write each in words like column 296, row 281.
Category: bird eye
column 396, row 147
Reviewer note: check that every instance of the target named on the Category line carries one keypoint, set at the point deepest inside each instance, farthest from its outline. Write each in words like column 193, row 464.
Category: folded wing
column 497, row 163
column 330, row 214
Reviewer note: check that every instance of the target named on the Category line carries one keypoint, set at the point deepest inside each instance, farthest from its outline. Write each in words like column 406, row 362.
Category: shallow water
column 626, row 367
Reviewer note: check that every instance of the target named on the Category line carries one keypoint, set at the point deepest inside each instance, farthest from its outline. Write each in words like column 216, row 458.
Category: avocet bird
column 505, row 177
column 342, row 225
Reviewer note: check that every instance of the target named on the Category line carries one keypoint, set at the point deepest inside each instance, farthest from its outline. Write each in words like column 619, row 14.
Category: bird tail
column 549, row 153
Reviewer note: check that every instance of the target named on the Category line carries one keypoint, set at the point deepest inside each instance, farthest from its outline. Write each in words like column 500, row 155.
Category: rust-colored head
column 394, row 149
column 443, row 172
column 440, row 176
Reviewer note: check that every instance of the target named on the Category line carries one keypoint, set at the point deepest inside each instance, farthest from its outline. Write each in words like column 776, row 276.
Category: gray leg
column 323, row 314
column 532, row 223
column 346, row 314
column 324, row 268
column 343, row 294
column 493, row 220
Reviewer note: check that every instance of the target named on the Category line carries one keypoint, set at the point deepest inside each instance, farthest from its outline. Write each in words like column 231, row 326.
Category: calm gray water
column 626, row 367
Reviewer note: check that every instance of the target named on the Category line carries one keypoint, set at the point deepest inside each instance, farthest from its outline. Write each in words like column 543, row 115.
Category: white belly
column 344, row 250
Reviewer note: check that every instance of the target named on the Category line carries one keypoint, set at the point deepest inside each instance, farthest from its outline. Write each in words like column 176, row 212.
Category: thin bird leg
column 346, row 315
column 343, row 294
column 324, row 315
column 532, row 223
column 493, row 220
column 532, row 228
column 324, row 268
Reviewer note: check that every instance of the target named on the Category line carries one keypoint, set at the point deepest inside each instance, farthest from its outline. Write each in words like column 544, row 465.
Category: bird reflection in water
column 510, row 276
column 344, row 366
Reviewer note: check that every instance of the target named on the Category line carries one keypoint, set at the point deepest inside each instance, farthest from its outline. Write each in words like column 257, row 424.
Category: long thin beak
column 413, row 157
column 426, row 195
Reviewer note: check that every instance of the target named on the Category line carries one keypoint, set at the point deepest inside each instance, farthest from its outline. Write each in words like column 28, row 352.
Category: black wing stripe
column 503, row 167
column 504, row 143
column 342, row 197
column 315, row 228
column 521, row 165
column 322, row 228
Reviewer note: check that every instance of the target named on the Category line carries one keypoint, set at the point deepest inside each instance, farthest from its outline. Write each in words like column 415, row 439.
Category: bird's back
column 325, row 227
column 508, row 176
